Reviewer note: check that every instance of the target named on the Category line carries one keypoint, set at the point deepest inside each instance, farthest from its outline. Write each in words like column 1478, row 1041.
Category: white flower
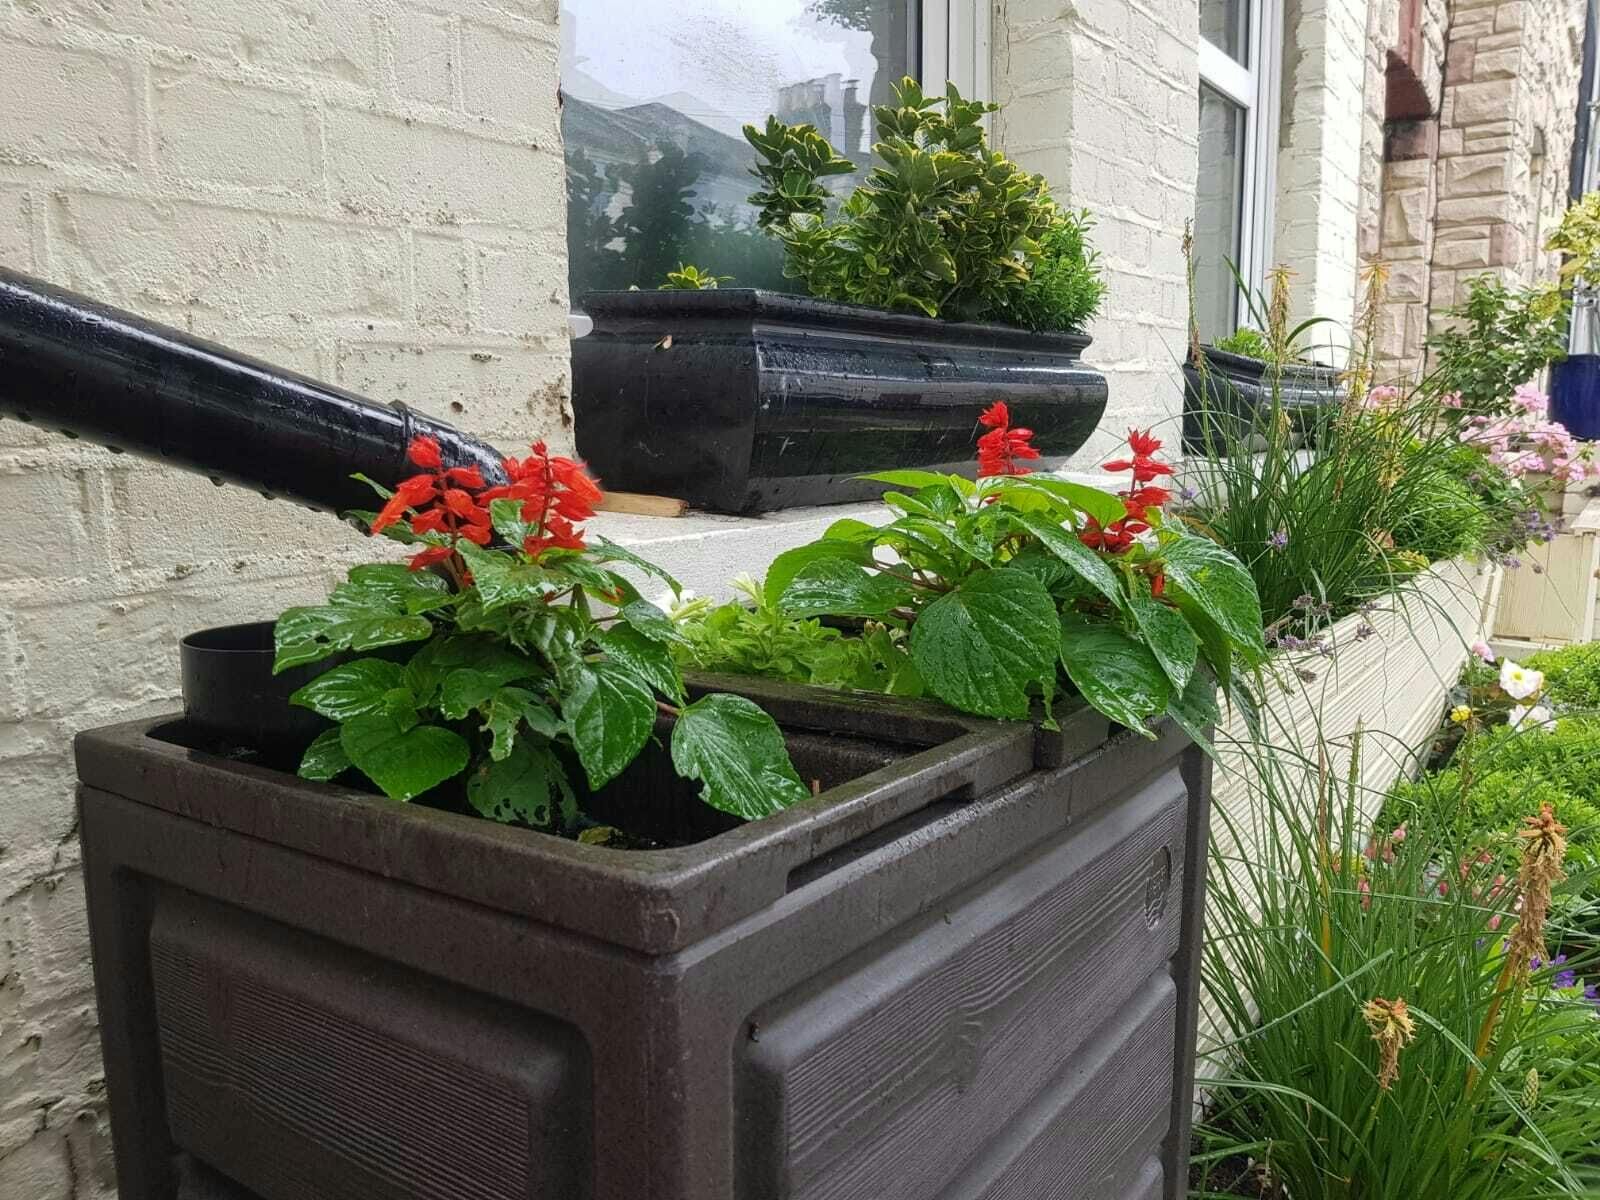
column 1519, row 682
column 667, row 601
column 1536, row 715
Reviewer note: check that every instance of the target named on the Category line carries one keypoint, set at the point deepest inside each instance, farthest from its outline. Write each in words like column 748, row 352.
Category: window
column 655, row 95
column 1238, row 125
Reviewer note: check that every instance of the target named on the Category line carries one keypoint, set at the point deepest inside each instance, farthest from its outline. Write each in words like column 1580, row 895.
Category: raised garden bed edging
column 1392, row 685
column 967, row 971
column 744, row 401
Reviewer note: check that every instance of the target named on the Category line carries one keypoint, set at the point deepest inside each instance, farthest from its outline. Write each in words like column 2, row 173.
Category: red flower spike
column 467, row 477
column 431, row 521
column 1158, row 584
column 424, row 452
column 1000, row 449
column 1143, row 443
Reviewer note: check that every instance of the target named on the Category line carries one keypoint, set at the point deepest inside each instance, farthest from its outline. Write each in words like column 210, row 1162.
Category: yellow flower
column 1461, row 714
column 1392, row 1027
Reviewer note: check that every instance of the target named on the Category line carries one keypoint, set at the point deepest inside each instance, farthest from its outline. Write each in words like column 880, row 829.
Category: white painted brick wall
column 1320, row 157
column 1101, row 98
column 365, row 190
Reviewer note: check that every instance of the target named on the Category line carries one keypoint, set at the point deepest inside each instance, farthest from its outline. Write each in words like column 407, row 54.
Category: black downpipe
column 97, row 372
column 1580, row 141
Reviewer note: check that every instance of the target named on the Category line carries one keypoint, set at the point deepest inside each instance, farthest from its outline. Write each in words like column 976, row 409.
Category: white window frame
column 1255, row 90
column 956, row 46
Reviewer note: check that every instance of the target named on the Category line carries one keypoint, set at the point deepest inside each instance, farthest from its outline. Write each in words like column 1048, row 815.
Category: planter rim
column 750, row 303
column 675, row 895
column 1254, row 368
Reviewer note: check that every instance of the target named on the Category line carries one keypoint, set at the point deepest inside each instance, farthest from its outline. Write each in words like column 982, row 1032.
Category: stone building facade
column 1477, row 162
column 371, row 191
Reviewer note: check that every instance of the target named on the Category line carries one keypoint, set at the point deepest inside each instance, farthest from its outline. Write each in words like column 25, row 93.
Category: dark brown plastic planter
column 966, row 969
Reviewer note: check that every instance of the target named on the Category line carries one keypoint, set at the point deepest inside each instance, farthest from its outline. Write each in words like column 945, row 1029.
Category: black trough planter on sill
column 742, row 400
column 1241, row 394
column 967, row 968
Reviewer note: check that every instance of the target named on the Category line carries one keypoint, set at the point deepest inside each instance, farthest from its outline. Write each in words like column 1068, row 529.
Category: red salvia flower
column 1002, row 446
column 1137, row 501
column 1144, row 467
column 555, row 492
column 424, row 452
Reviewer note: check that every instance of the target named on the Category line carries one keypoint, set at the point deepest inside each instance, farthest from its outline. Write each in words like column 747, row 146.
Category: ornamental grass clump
column 513, row 653
column 1390, row 1026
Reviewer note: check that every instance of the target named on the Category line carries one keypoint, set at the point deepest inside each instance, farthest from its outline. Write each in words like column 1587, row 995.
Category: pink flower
column 1530, row 400
column 1381, row 397
column 1481, row 649
column 1450, row 400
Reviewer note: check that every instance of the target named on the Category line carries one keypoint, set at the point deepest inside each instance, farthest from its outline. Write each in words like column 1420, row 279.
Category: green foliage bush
column 1503, row 336
column 1446, row 517
column 1510, row 773
column 1571, row 675
column 943, row 225
column 1245, row 342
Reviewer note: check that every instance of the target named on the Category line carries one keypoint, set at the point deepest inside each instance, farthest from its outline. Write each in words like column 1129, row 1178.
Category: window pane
column 1226, row 25
column 654, row 97
column 1218, row 207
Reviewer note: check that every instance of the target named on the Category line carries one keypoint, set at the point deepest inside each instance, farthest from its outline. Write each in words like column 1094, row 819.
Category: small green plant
column 1578, row 238
column 1503, row 337
column 1245, row 342
column 507, row 672
column 1571, row 676
column 690, row 278
column 943, row 225
column 989, row 594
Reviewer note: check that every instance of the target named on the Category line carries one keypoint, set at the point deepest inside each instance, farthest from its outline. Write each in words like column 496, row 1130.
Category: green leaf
column 403, row 762
column 1102, row 506
column 506, row 517
column 650, row 621
column 352, row 689
column 508, row 710
column 848, row 529
column 738, row 753
column 648, row 660
column 1116, row 674
column 325, row 758
column 1195, row 710
column 604, row 550
column 308, row 635
column 465, row 688
column 909, row 479
column 1220, row 587
column 502, row 580
column 980, row 646
column 393, row 586
column 781, row 573
column 1169, row 637
column 834, row 587
column 1074, row 555
column 516, row 787
column 611, row 713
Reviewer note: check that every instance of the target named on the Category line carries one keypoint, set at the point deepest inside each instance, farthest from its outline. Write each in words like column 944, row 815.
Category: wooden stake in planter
column 967, row 967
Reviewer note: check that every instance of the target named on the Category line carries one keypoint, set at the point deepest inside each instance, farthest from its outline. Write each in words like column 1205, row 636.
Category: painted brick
column 443, row 277
column 224, row 132
column 424, row 56
column 381, row 174
column 228, row 261
column 64, row 537
column 61, row 106
column 505, row 77
column 16, row 242
column 522, row 291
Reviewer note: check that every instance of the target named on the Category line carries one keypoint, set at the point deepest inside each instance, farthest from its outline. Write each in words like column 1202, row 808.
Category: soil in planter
column 648, row 807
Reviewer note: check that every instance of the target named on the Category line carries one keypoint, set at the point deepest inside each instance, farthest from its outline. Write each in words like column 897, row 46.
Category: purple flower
column 1305, row 600
column 1277, row 539
column 1187, row 493
column 1364, row 631
column 1565, row 979
column 1592, row 993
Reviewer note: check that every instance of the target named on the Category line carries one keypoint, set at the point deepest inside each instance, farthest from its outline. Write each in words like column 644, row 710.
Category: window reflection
column 1219, row 201
column 654, row 98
